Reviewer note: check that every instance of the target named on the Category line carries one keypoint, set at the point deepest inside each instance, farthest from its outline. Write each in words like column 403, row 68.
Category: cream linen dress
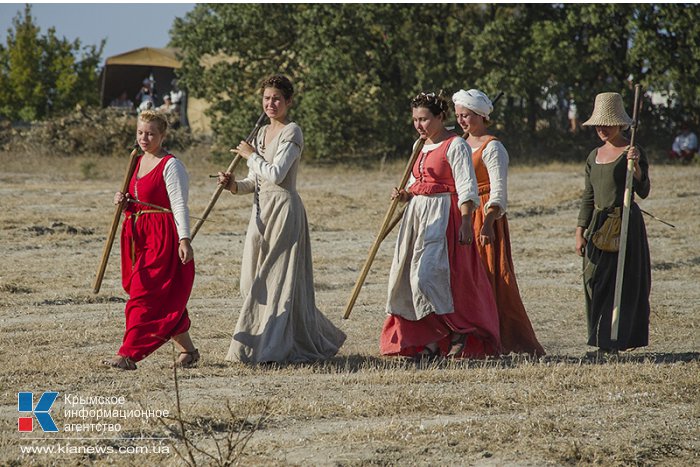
column 279, row 321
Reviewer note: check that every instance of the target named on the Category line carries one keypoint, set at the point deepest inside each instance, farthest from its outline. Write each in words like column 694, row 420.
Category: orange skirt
column 516, row 330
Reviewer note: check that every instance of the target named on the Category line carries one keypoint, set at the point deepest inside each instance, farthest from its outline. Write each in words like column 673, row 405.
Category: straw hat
column 608, row 111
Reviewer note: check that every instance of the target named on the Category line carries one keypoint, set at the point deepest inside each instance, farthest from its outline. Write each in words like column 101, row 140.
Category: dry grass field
column 640, row 408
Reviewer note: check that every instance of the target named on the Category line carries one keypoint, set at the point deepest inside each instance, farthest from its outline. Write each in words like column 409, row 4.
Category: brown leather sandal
column 427, row 354
column 189, row 362
column 121, row 363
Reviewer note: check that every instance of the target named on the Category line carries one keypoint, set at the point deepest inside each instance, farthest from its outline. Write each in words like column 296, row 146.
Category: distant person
column 122, row 102
column 156, row 255
column 573, row 116
column 167, row 107
column 598, row 232
column 176, row 96
column 490, row 160
column 145, row 105
column 145, row 98
column 279, row 321
column 685, row 146
column 440, row 302
column 179, row 100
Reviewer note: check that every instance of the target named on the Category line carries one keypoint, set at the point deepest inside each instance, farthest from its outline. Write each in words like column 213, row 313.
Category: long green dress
column 604, row 189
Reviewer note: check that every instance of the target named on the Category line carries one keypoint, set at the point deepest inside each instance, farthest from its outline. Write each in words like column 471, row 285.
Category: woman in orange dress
column 439, row 300
column 157, row 258
column 490, row 160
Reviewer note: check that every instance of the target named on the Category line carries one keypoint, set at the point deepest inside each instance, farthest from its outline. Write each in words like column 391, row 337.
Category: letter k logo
column 25, row 403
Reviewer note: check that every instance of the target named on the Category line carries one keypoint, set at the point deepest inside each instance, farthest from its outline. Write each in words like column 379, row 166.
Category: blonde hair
column 149, row 116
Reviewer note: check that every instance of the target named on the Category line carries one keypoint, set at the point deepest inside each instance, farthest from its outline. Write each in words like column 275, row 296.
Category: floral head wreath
column 436, row 103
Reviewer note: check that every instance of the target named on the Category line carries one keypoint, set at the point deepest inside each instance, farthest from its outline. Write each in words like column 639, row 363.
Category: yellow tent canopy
column 125, row 73
column 146, row 56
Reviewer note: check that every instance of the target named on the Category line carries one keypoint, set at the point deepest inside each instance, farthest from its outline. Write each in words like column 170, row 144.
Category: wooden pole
column 394, row 222
column 382, row 230
column 115, row 221
column 230, row 169
column 619, row 276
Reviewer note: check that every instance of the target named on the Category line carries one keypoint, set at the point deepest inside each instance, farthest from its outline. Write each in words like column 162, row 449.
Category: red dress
column 157, row 282
column 474, row 310
column 517, row 334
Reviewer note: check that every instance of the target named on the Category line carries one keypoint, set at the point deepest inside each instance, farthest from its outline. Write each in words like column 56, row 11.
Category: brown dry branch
column 235, row 441
column 109, row 132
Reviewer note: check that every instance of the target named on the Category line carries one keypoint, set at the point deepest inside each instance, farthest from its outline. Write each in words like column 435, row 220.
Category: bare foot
column 121, row 363
column 187, row 359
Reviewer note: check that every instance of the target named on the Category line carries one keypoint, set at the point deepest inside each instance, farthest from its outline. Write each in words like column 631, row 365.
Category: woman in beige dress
column 279, row 321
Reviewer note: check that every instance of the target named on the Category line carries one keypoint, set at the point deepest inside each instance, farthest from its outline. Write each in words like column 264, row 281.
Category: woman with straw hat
column 598, row 231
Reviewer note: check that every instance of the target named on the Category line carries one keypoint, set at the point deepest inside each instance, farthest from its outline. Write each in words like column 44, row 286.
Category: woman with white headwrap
column 490, row 160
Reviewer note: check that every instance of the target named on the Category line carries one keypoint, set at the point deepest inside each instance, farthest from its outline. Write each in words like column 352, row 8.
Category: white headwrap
column 475, row 101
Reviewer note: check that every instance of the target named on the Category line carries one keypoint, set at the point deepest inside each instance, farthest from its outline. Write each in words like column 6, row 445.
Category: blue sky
column 126, row 26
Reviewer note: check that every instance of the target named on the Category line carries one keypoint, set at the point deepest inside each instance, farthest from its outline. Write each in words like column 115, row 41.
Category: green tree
column 666, row 53
column 41, row 75
column 226, row 50
column 23, row 54
column 357, row 66
column 348, row 106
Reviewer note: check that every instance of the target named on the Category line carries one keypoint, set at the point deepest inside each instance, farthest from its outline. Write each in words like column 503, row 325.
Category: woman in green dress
column 606, row 168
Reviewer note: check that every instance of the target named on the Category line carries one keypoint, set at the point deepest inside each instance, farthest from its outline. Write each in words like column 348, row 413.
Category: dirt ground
column 641, row 408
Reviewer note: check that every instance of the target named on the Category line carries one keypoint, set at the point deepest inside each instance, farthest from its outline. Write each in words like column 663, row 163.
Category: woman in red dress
column 490, row 160
column 440, row 302
column 157, row 258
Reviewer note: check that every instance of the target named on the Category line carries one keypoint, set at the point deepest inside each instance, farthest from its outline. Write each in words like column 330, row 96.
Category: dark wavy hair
column 436, row 103
column 280, row 82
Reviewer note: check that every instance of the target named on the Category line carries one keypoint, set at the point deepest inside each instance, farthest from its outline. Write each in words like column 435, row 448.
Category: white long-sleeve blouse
column 288, row 152
column 177, row 186
column 496, row 159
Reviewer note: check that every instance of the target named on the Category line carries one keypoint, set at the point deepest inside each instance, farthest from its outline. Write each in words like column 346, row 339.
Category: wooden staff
column 115, row 221
column 383, row 230
column 656, row 218
column 393, row 222
column 615, row 325
column 230, row 169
